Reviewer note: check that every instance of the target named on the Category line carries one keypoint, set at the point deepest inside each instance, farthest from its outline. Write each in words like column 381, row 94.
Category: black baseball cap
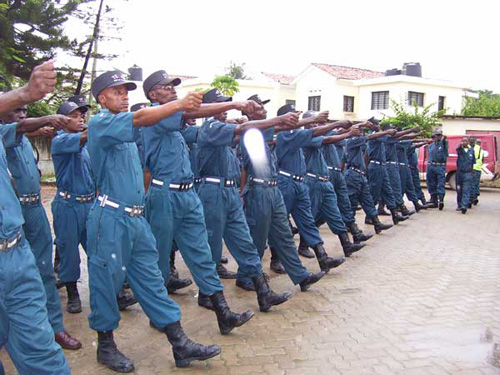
column 81, row 100
column 138, row 106
column 159, row 78
column 285, row 109
column 258, row 100
column 67, row 107
column 309, row 114
column 110, row 79
column 437, row 132
column 215, row 96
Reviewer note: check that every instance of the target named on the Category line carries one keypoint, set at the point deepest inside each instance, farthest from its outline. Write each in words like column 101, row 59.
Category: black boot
column 358, row 235
column 74, row 305
column 109, row 355
column 396, row 217
column 57, row 262
column 382, row 211
column 405, row 211
column 433, row 203
column 175, row 284
column 379, row 226
column 173, row 271
column 276, row 265
column 125, row 299
column 325, row 262
column 184, row 349
column 441, row 203
column 425, row 203
column 310, row 280
column 204, row 301
column 224, row 273
column 227, row 319
column 304, row 249
column 368, row 221
column 224, row 260
column 348, row 246
column 418, row 206
column 265, row 296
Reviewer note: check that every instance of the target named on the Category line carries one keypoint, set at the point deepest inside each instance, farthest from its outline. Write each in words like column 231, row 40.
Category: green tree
column 488, row 104
column 418, row 116
column 235, row 70
column 226, row 84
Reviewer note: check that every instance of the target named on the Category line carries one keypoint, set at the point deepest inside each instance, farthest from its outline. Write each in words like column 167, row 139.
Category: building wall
column 466, row 126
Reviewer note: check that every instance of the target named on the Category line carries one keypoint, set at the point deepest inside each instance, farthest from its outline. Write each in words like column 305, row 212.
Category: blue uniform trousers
column 119, row 247
column 476, row 182
column 380, row 185
column 324, row 204
column 298, row 204
column 343, row 203
column 359, row 192
column 267, row 219
column 70, row 228
column 436, row 179
column 415, row 177
column 37, row 231
column 395, row 180
column 407, row 183
column 25, row 330
column 464, row 189
column 176, row 217
column 225, row 219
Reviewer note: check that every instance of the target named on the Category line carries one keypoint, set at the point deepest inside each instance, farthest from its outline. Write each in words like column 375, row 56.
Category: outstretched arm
column 31, row 125
column 289, row 120
column 212, row 109
column 381, row 134
column 353, row 132
column 407, row 131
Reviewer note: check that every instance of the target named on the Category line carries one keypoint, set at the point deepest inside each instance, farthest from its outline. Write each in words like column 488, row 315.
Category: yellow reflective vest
column 479, row 155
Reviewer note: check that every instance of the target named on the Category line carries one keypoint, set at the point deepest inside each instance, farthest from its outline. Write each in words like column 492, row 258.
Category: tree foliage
column 488, row 104
column 418, row 116
column 226, row 84
column 235, row 70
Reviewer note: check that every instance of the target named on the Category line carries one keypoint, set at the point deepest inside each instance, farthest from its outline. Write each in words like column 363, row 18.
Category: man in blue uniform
column 223, row 209
column 22, row 165
column 74, row 197
column 264, row 208
column 436, row 169
column 25, row 330
column 120, row 242
column 415, row 174
column 465, row 168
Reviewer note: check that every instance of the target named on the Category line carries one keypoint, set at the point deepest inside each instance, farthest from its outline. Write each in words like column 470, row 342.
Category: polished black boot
column 265, row 296
column 224, row 273
column 357, row 235
column 418, row 206
column 109, row 355
column 379, row 226
column 175, row 284
column 310, row 280
column 368, row 221
column 425, row 203
column 204, row 301
column 326, row 263
column 184, row 349
column 74, row 305
column 433, row 203
column 405, row 211
column 224, row 260
column 396, row 217
column 125, row 299
column 227, row 319
column 276, row 265
column 348, row 246
column 382, row 211
column 304, row 249
column 441, row 203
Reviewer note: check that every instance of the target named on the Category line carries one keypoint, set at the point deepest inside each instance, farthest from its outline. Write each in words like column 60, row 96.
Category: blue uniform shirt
column 267, row 171
column 465, row 159
column 354, row 152
column 114, row 157
column 376, row 148
column 11, row 216
column 390, row 149
column 22, row 164
column 340, row 147
column 137, row 131
column 438, row 151
column 412, row 156
column 402, row 150
column 215, row 156
column 289, row 152
column 315, row 161
column 72, row 164
column 166, row 152
column 190, row 134
column 331, row 154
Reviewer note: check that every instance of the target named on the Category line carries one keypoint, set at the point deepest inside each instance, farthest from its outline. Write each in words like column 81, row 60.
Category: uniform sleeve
column 10, row 136
column 111, row 130
column 190, row 134
column 216, row 134
column 355, row 142
column 171, row 123
column 315, row 142
column 66, row 143
column 295, row 139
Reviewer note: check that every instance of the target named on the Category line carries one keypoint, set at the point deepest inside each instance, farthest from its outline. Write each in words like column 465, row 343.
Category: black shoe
column 227, row 319
column 396, row 218
column 57, row 262
column 441, row 204
column 326, row 263
column 476, row 201
column 224, row 273
column 310, row 280
column 382, row 211
column 469, row 205
column 305, row 252
column 433, row 203
column 125, row 299
column 464, row 211
column 418, row 206
column 357, row 235
column 405, row 211
column 379, row 226
column 349, row 247
column 368, row 221
column 265, row 296
column 204, row 301
column 175, row 284
column 109, row 355
column 74, row 305
column 224, row 260
column 184, row 349
column 277, row 267
column 248, row 286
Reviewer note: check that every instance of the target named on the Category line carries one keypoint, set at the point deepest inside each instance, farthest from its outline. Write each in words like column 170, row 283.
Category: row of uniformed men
column 297, row 179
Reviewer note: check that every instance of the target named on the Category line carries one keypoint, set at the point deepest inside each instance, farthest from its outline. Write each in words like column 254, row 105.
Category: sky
column 452, row 40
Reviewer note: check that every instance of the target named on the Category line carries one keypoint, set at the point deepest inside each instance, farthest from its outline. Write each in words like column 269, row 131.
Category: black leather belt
column 392, row 162
column 6, row 245
column 29, row 199
column 376, row 162
column 357, row 170
column 320, row 178
column 78, row 198
column 335, row 169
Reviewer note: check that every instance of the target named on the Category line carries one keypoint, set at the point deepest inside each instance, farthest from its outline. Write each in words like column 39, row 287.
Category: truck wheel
column 452, row 180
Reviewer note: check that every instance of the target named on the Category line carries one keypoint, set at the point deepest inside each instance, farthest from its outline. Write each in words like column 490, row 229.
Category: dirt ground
column 421, row 298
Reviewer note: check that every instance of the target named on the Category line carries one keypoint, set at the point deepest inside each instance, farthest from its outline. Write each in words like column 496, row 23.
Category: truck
column 491, row 165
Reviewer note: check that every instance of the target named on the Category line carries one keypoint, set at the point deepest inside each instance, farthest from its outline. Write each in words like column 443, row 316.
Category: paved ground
column 423, row 298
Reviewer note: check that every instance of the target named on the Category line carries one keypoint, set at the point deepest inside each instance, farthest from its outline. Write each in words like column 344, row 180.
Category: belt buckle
column 66, row 195
column 136, row 210
column 104, row 200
